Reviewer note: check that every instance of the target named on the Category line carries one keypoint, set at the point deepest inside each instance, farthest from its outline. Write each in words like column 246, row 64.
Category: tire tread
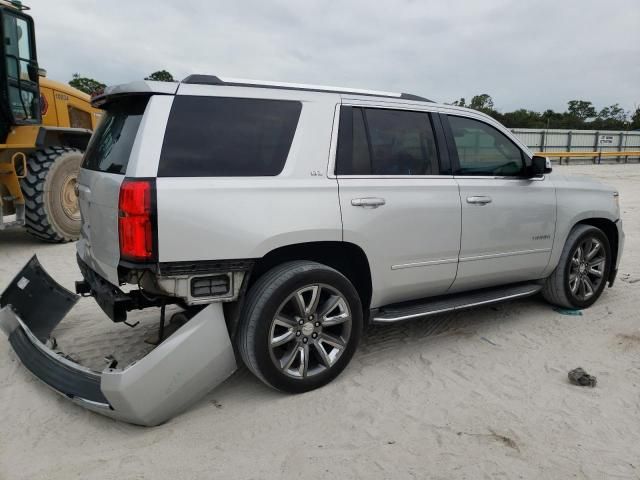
column 37, row 221
column 554, row 290
column 256, row 298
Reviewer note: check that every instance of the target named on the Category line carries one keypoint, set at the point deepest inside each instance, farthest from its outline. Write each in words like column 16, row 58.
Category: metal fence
column 581, row 141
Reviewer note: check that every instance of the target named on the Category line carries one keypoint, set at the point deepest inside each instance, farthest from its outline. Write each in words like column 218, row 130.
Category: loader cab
column 19, row 88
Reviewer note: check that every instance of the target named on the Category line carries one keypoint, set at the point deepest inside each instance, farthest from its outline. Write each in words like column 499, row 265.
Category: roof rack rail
column 198, row 79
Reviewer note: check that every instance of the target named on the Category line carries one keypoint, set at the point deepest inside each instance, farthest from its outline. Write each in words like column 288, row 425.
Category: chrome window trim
column 407, row 177
column 483, row 177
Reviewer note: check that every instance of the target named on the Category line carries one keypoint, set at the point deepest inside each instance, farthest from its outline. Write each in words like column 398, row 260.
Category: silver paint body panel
column 425, row 240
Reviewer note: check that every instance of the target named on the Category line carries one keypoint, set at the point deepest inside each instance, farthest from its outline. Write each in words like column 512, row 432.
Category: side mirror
column 540, row 166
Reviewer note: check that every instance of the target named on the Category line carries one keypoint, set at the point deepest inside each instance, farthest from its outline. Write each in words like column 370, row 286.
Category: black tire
column 557, row 289
column 49, row 209
column 265, row 299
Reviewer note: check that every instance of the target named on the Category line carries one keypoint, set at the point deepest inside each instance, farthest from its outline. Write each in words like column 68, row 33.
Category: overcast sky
column 531, row 54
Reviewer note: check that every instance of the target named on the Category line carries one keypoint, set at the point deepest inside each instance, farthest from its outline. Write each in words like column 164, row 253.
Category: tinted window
column 402, row 142
column 483, row 150
column 227, row 137
column 385, row 142
column 110, row 146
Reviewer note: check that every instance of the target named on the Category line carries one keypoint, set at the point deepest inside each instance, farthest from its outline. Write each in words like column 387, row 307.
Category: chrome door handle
column 368, row 202
column 478, row 200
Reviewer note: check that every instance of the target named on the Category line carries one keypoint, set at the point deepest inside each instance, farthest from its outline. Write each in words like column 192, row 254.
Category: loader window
column 19, row 60
column 228, row 137
column 111, row 144
column 79, row 118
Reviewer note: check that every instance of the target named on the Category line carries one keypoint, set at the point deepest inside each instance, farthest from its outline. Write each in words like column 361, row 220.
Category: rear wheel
column 51, row 204
column 300, row 326
column 583, row 269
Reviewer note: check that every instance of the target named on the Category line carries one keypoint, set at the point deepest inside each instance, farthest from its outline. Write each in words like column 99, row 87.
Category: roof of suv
column 172, row 87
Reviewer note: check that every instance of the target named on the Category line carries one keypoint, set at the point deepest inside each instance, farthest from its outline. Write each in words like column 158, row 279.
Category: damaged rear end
column 179, row 371
column 119, row 246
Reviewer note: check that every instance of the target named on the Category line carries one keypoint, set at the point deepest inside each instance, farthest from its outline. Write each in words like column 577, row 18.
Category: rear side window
column 374, row 141
column 110, row 146
column 228, row 137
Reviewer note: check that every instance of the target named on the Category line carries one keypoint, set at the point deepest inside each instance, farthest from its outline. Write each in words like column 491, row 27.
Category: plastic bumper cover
column 183, row 368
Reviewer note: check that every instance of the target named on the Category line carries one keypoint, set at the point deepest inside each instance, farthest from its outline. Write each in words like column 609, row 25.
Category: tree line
column 580, row 114
column 92, row 86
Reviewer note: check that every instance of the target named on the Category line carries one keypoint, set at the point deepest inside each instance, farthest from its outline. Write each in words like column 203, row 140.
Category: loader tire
column 51, row 205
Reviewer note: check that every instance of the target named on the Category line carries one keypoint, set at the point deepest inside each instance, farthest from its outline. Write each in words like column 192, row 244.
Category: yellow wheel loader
column 44, row 128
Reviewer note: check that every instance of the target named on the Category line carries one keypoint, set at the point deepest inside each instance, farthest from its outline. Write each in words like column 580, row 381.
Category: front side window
column 484, row 150
column 375, row 141
column 228, row 137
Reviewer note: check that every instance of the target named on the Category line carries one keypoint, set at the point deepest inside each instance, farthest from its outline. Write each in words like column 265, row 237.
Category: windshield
column 111, row 144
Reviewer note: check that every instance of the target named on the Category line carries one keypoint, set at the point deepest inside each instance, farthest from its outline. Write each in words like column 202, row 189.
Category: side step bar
column 457, row 301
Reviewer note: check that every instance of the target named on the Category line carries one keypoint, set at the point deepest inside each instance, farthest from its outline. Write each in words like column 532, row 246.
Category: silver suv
column 282, row 219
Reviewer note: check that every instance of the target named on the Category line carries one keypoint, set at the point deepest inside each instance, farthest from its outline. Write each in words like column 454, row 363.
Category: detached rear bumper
column 183, row 368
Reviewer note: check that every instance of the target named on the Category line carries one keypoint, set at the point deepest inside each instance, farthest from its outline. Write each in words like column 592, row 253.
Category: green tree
column 635, row 119
column 581, row 109
column 482, row 102
column 161, row 76
column 523, row 118
column 460, row 103
column 615, row 112
column 86, row 84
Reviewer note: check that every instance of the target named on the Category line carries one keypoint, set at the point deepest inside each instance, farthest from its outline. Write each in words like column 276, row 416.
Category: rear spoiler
column 141, row 87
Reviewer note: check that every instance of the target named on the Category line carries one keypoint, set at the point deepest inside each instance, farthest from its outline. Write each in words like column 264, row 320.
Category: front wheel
column 583, row 269
column 300, row 326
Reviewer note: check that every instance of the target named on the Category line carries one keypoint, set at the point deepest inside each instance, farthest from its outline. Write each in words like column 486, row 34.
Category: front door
column 508, row 221
column 395, row 205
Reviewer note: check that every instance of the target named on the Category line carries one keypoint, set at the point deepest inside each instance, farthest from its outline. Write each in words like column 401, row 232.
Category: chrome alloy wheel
column 310, row 331
column 588, row 264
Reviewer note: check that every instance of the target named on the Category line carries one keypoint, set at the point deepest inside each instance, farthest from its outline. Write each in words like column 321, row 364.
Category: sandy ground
column 478, row 394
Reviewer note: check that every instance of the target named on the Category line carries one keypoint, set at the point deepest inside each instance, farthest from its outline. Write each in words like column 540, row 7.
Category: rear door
column 395, row 202
column 103, row 170
column 508, row 220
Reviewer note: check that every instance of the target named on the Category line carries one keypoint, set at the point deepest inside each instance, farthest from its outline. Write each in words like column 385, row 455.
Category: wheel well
column 610, row 230
column 347, row 258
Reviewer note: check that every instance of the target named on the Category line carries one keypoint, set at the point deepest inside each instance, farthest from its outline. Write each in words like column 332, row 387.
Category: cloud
column 533, row 54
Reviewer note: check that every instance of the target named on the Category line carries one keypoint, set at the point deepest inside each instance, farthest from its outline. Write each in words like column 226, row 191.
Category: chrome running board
column 422, row 308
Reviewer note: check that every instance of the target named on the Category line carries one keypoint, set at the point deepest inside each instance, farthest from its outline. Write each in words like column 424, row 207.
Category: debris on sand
column 568, row 311
column 579, row 377
column 629, row 278
column 493, row 436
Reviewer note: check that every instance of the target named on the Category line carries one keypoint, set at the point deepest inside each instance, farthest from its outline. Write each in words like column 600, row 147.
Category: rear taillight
column 136, row 218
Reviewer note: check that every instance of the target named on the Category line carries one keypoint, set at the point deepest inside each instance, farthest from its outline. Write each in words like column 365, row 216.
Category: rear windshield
column 228, row 137
column 111, row 143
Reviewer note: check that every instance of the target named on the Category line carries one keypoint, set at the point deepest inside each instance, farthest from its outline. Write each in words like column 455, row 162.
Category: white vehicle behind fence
column 284, row 218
